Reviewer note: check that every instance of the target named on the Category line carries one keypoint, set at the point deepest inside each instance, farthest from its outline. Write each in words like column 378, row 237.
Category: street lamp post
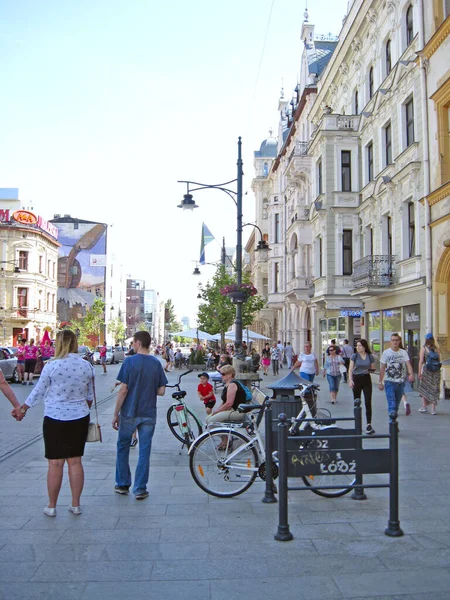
column 189, row 204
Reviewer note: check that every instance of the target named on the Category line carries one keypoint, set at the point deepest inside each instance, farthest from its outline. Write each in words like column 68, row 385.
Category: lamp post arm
column 256, row 227
column 207, row 186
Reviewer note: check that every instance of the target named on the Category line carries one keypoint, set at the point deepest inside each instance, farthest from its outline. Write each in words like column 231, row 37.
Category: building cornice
column 440, row 194
column 436, row 40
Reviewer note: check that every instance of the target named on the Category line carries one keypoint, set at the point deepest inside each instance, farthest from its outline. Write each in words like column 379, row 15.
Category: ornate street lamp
column 189, row 204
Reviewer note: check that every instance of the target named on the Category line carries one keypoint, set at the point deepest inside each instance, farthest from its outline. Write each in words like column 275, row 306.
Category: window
column 356, row 103
column 23, row 260
column 276, row 277
column 370, row 162
column 39, row 305
column 371, row 83
column 319, row 177
column 409, row 26
column 48, row 268
column 48, row 302
column 265, row 169
column 346, row 171
column 41, row 264
column 347, row 252
column 53, row 303
column 409, row 114
column 389, row 235
column 441, row 99
column 368, row 241
column 411, row 230
column 276, row 233
column 320, row 257
column 388, row 58
column 387, row 144
column 22, row 301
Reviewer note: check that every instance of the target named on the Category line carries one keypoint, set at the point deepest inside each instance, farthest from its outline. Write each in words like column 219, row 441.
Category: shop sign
column 47, row 227
column 4, row 215
column 24, row 217
column 411, row 317
column 351, row 313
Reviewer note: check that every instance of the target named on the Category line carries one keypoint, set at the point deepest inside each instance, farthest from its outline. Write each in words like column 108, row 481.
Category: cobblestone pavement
column 182, row 543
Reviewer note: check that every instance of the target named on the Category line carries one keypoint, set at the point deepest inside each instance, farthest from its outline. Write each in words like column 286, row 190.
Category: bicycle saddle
column 179, row 395
column 245, row 408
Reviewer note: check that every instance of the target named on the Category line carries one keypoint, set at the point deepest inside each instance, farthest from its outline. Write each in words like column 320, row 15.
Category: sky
column 105, row 104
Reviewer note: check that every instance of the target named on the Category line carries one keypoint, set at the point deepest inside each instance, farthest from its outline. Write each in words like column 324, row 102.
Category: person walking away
column 275, row 356
column 288, row 353
column 280, row 347
column 66, row 385
column 333, row 373
column 359, row 378
column 266, row 358
column 346, row 353
column 308, row 363
column 206, row 393
column 394, row 363
column 103, row 357
column 31, row 356
column 429, row 374
column 20, row 355
column 142, row 381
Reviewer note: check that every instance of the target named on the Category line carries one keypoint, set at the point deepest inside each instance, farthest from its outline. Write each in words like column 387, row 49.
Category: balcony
column 373, row 274
column 340, row 123
column 298, row 161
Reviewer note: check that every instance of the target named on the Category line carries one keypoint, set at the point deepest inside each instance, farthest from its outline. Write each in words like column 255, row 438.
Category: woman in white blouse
column 308, row 363
column 66, row 386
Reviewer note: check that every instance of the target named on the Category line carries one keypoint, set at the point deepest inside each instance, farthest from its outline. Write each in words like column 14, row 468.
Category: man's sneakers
column 121, row 489
column 370, row 430
column 142, row 495
column 407, row 409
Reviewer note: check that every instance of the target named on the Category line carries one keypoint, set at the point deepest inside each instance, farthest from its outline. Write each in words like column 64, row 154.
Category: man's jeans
column 275, row 366
column 394, row 392
column 146, row 428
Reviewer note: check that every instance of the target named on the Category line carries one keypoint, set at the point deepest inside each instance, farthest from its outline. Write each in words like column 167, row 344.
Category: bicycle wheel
column 341, row 479
column 214, row 472
column 194, row 425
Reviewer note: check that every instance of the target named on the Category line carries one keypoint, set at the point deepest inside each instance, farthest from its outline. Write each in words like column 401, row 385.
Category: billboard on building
column 81, row 266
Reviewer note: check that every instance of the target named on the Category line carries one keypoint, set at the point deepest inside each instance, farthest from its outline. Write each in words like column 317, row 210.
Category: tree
column 116, row 328
column 217, row 314
column 170, row 317
column 89, row 329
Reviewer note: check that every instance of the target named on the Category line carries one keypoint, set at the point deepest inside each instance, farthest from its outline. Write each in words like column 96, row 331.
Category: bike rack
column 346, row 449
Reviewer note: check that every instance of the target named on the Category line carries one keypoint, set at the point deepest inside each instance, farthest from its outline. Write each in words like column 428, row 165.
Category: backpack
column 432, row 364
column 248, row 393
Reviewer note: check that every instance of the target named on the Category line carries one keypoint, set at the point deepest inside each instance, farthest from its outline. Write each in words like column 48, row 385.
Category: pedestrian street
column 182, row 543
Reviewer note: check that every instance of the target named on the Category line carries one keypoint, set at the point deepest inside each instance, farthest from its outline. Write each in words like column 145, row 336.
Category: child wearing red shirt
column 206, row 393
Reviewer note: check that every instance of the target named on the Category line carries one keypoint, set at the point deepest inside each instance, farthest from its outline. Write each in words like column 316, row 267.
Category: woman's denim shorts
column 333, row 382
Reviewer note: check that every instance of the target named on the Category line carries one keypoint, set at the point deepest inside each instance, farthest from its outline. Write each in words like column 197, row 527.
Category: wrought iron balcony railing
column 376, row 270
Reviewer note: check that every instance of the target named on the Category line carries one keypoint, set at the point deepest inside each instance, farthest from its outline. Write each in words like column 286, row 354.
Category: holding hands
column 19, row 412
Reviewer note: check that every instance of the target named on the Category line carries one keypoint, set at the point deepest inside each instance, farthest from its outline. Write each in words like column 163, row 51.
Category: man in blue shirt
column 142, row 380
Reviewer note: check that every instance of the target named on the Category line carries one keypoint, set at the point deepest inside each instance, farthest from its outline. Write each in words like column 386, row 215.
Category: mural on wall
column 81, row 267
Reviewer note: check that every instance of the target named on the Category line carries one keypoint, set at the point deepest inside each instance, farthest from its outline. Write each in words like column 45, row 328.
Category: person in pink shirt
column 31, row 355
column 47, row 351
column 20, row 354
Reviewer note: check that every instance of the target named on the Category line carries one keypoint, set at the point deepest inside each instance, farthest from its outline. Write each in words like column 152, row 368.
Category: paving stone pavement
column 182, row 543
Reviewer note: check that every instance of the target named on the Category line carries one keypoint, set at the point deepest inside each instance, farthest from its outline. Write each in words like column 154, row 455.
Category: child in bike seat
column 206, row 393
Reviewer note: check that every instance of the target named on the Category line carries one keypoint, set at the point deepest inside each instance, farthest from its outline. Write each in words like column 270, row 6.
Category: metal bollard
column 283, row 534
column 269, row 495
column 393, row 529
column 358, row 492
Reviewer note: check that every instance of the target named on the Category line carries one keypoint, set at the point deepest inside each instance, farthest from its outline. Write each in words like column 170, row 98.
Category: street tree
column 217, row 313
column 170, row 317
column 116, row 328
column 89, row 329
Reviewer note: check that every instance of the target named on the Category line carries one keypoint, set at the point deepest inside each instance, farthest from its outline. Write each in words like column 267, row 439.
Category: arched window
column 409, row 26
column 388, row 57
column 370, row 82
column 356, row 103
column 266, row 169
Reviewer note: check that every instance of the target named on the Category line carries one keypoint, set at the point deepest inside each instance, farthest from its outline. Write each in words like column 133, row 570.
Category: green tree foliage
column 90, row 327
column 117, row 329
column 217, row 313
column 170, row 318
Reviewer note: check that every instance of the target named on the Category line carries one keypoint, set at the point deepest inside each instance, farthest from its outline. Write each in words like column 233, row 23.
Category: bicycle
column 182, row 421
column 225, row 461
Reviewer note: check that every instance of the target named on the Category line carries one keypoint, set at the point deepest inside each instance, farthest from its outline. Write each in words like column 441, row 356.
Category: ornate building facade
column 346, row 200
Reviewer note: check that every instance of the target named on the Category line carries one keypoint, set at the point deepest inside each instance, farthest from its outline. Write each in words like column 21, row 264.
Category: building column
column 301, row 260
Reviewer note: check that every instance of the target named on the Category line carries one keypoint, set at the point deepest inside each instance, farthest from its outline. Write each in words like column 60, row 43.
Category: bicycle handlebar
column 177, row 385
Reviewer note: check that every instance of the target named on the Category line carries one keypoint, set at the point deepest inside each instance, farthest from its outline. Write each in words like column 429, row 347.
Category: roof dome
column 269, row 147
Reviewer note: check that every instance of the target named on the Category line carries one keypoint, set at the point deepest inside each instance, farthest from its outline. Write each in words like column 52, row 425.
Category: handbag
column 342, row 369
column 94, row 429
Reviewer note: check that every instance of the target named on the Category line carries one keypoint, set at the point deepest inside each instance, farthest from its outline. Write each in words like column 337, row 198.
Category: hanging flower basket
column 239, row 293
